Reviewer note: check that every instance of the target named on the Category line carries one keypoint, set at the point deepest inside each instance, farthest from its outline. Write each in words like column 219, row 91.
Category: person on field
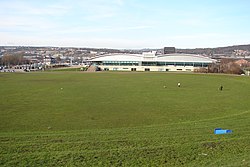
column 221, row 88
column 179, row 84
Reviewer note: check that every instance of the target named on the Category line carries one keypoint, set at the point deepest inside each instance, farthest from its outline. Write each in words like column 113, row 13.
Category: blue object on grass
column 218, row 131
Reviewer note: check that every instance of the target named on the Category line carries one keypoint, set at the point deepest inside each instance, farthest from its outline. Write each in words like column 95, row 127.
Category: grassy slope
column 123, row 119
column 65, row 69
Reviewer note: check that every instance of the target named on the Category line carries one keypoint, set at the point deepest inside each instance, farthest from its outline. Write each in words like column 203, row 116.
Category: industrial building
column 151, row 62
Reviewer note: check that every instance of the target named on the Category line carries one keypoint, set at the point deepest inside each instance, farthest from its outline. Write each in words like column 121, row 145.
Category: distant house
column 48, row 60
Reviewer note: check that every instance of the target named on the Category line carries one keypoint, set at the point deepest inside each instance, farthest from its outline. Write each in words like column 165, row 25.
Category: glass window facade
column 205, row 64
column 180, row 64
column 189, row 64
column 161, row 63
column 120, row 63
column 197, row 64
column 147, row 63
column 170, row 63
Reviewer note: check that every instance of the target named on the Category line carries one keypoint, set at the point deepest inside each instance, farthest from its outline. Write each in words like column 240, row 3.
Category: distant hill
column 225, row 51
column 228, row 50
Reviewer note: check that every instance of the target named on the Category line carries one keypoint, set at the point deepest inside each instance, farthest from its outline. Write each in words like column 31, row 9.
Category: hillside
column 123, row 119
column 227, row 50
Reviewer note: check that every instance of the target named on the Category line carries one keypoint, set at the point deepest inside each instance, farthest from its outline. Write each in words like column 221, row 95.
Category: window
column 149, row 63
column 205, row 65
column 189, row 63
column 170, row 63
column 106, row 63
column 161, row 63
column 126, row 63
column 197, row 64
column 179, row 64
column 135, row 63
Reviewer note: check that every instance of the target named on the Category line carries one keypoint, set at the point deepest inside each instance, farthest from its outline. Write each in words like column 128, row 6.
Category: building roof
column 119, row 57
column 241, row 62
column 176, row 57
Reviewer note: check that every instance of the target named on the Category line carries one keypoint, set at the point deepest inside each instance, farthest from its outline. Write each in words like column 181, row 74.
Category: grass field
column 65, row 69
column 123, row 119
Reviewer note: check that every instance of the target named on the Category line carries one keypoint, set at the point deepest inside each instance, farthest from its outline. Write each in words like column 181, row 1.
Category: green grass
column 65, row 69
column 123, row 119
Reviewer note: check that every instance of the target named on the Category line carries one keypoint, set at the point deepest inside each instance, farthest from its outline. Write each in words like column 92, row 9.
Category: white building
column 151, row 62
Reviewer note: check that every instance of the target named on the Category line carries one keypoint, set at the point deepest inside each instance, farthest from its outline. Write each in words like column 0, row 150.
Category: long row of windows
column 121, row 63
column 135, row 63
column 175, row 64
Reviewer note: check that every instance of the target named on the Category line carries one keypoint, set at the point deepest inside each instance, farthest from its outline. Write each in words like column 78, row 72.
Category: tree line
column 13, row 59
column 226, row 66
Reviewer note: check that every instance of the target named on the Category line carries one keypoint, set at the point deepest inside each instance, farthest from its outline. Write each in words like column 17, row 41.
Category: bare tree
column 13, row 59
column 226, row 66
column 213, row 68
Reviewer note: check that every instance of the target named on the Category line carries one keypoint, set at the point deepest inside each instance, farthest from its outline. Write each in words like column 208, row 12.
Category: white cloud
column 102, row 29
column 203, row 40
column 25, row 8
column 186, row 41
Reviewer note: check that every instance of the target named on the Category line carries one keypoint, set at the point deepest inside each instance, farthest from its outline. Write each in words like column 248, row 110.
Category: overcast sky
column 125, row 23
